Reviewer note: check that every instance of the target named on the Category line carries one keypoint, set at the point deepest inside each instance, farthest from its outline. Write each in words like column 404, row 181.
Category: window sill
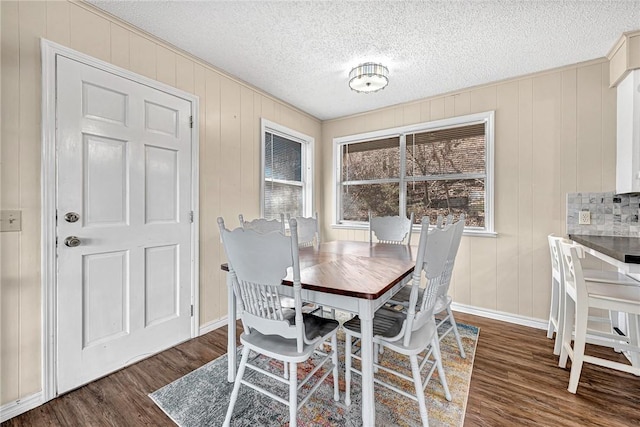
column 467, row 232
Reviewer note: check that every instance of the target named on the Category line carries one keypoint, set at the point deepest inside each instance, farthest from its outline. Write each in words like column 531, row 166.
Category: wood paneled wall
column 555, row 133
column 230, row 113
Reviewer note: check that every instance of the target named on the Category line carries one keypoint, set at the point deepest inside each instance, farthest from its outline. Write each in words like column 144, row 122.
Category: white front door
column 123, row 222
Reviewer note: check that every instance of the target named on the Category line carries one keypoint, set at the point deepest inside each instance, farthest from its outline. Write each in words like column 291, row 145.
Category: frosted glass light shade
column 369, row 77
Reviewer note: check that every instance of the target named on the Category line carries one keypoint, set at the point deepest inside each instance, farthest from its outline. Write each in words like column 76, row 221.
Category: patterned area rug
column 201, row 397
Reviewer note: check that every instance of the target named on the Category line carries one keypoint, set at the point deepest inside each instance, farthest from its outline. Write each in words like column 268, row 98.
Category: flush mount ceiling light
column 369, row 77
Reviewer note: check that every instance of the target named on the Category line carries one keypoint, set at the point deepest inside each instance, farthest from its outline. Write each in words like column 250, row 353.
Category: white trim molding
column 213, row 325
column 20, row 406
column 501, row 316
column 49, row 52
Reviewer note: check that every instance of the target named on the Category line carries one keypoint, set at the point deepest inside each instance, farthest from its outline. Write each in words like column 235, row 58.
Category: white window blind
column 446, row 173
column 286, row 172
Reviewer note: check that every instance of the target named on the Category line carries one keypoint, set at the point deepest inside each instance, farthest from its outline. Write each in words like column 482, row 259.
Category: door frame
column 49, row 52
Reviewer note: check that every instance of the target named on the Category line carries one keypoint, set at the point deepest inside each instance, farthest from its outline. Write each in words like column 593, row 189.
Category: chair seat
column 387, row 323
column 609, row 277
column 314, row 326
column 416, row 344
column 307, row 307
column 614, row 292
column 402, row 297
column 403, row 294
column 281, row 348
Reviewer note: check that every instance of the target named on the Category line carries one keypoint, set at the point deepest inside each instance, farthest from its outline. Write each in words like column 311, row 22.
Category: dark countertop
column 625, row 249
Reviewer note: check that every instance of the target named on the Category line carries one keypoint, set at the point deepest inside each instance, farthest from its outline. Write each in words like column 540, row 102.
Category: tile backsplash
column 611, row 214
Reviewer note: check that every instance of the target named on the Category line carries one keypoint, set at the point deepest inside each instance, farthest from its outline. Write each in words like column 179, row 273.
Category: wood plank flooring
column 515, row 382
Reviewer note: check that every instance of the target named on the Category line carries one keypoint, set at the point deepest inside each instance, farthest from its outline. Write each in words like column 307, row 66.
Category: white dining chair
column 441, row 221
column 263, row 225
column 599, row 320
column 580, row 296
column 308, row 230
column 444, row 300
column 257, row 264
column 390, row 229
column 412, row 332
column 308, row 236
column 555, row 320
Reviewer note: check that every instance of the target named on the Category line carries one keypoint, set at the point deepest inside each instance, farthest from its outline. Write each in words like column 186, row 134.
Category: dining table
column 356, row 277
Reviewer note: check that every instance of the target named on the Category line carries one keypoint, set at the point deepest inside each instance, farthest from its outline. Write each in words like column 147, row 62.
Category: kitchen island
column 620, row 251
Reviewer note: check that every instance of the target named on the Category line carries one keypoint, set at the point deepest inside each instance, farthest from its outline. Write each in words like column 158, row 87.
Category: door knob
column 71, row 217
column 72, row 241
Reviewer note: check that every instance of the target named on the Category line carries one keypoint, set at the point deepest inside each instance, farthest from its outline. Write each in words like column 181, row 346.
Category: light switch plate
column 10, row 220
column 584, row 218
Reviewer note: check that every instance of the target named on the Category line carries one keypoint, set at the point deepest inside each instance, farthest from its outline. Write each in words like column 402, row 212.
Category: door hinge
column 191, row 216
column 191, row 122
column 191, row 310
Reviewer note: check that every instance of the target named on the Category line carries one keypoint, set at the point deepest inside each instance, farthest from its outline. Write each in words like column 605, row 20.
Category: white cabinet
column 628, row 134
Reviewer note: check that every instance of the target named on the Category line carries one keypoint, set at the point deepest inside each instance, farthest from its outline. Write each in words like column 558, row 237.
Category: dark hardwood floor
column 515, row 382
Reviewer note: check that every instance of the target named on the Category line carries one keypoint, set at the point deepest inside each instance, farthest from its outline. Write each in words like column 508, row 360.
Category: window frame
column 307, row 143
column 487, row 117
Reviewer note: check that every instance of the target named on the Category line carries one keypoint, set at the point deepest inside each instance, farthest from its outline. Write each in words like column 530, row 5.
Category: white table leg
column 366, row 312
column 231, row 331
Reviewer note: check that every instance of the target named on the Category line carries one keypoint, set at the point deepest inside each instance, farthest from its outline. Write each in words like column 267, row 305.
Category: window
column 430, row 169
column 370, row 178
column 287, row 161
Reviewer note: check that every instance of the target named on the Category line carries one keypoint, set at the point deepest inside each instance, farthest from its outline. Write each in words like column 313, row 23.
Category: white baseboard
column 20, row 406
column 476, row 311
column 213, row 325
column 502, row 316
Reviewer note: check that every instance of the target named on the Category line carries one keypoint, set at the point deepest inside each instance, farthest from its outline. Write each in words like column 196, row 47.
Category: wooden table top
column 355, row 269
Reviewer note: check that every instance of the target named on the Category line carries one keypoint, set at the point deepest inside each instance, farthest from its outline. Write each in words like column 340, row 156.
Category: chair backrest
column 556, row 262
column 390, row 229
column 263, row 225
column 458, row 229
column 433, row 251
column 574, row 284
column 442, row 221
column 258, row 263
column 308, row 230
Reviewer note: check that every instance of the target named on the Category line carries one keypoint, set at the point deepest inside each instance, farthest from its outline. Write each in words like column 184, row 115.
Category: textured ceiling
column 302, row 52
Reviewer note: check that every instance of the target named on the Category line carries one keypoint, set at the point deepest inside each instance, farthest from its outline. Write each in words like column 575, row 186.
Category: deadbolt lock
column 71, row 217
